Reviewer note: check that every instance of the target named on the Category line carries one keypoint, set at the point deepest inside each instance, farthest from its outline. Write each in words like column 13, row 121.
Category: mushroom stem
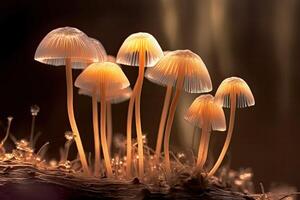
column 228, row 137
column 9, row 119
column 129, row 130
column 162, row 123
column 103, row 134
column 138, row 113
column 32, row 131
column 72, row 117
column 175, row 99
column 109, row 127
column 196, row 131
column 203, row 147
column 96, row 134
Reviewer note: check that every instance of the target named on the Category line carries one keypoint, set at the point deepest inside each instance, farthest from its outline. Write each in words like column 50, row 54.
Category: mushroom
column 106, row 78
column 207, row 115
column 184, row 70
column 70, row 47
column 233, row 92
column 114, row 98
column 139, row 49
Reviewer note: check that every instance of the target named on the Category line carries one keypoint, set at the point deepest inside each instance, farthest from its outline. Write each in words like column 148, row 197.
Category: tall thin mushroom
column 104, row 78
column 207, row 115
column 232, row 93
column 70, row 47
column 184, row 70
column 139, row 49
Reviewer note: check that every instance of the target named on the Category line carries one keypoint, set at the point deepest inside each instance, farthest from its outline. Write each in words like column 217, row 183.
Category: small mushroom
column 207, row 115
column 139, row 49
column 183, row 70
column 233, row 92
column 104, row 78
column 70, row 47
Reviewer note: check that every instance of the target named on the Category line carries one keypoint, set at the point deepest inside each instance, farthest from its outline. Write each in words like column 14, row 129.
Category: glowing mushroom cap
column 203, row 110
column 105, row 75
column 114, row 97
column 236, row 87
column 63, row 43
column 101, row 53
column 135, row 44
column 166, row 71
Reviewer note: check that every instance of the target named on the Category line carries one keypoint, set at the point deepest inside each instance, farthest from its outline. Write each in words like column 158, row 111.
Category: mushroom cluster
column 103, row 80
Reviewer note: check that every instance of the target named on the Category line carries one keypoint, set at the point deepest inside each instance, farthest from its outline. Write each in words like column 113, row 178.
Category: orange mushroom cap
column 135, row 44
column 166, row 71
column 101, row 53
column 238, row 88
column 113, row 97
column 63, row 43
column 204, row 109
column 105, row 75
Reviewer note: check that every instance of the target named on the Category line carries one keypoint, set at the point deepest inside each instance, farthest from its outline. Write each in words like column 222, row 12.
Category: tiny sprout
column 9, row 119
column 35, row 109
column 69, row 135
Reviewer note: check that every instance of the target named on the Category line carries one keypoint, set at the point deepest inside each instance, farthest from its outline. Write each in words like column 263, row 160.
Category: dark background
column 255, row 40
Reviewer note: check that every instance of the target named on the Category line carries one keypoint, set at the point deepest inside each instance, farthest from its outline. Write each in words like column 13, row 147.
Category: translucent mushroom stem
column 170, row 119
column 103, row 134
column 203, row 147
column 96, row 134
column 228, row 137
column 129, row 135
column 196, row 132
column 109, row 127
column 162, row 123
column 71, row 116
column 32, row 131
column 138, row 113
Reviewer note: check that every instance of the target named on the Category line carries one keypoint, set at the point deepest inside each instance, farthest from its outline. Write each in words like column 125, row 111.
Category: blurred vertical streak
column 170, row 22
column 283, row 33
column 203, row 27
column 220, row 36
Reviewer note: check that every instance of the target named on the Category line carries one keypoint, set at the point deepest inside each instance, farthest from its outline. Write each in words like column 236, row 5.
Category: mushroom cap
column 106, row 75
column 203, row 110
column 237, row 87
column 166, row 71
column 101, row 53
column 114, row 97
column 135, row 44
column 63, row 43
